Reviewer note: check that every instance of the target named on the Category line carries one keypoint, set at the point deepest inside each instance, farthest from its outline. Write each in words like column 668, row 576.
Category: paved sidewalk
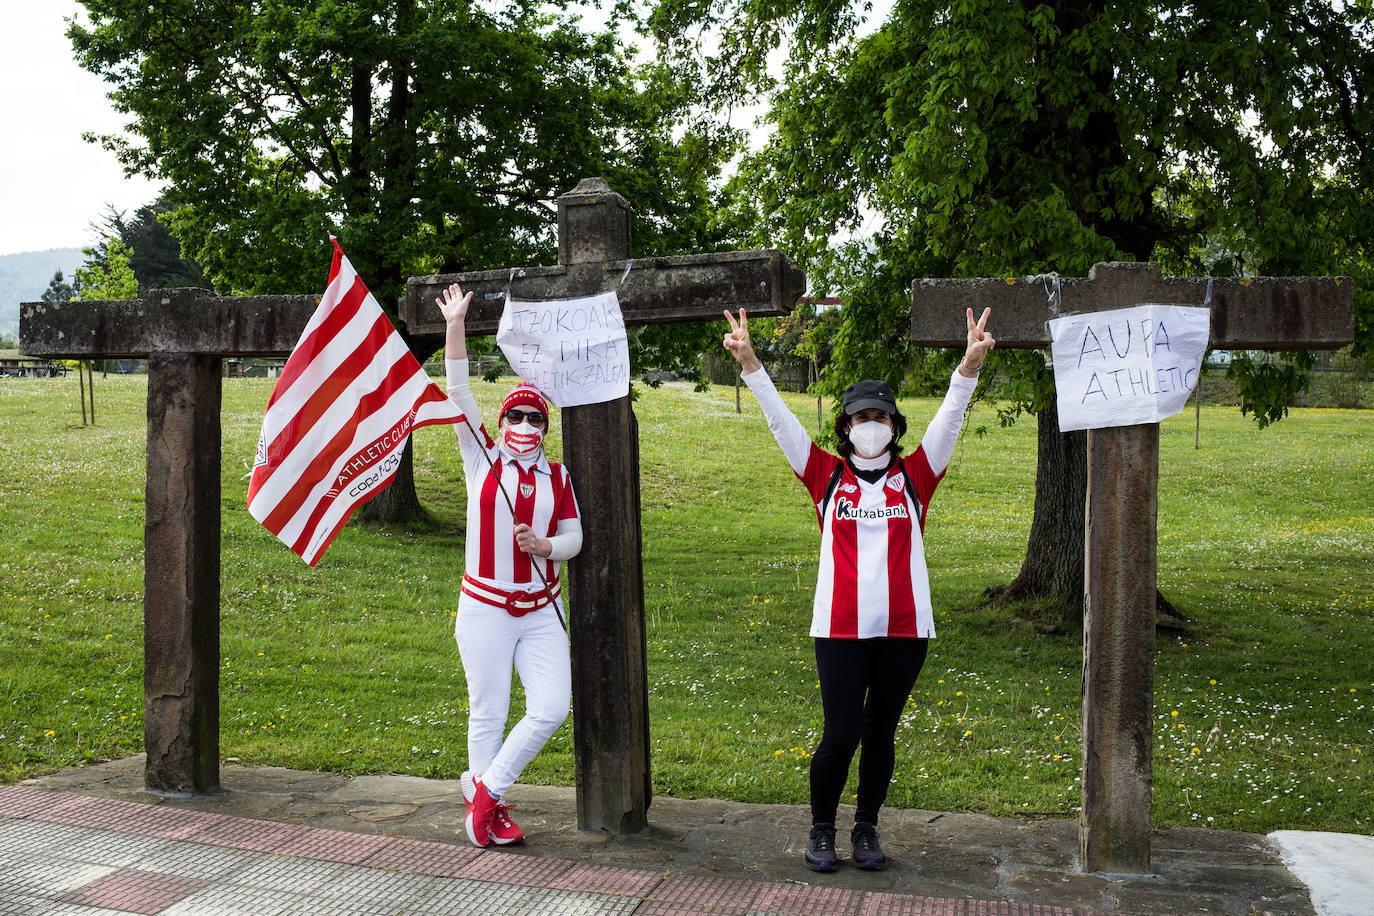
column 90, row 840
column 71, row 854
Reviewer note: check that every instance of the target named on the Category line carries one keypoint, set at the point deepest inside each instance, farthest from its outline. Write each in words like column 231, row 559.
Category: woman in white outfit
column 522, row 523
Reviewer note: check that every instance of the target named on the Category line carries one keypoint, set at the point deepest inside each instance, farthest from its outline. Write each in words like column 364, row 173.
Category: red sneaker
column 480, row 814
column 504, row 831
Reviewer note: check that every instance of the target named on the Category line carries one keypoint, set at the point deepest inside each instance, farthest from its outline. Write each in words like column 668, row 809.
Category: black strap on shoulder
column 911, row 491
column 831, row 485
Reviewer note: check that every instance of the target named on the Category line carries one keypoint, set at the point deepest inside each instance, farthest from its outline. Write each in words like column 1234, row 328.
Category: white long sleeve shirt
column 872, row 579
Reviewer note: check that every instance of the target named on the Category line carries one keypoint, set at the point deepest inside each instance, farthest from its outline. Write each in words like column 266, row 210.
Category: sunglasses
column 516, row 417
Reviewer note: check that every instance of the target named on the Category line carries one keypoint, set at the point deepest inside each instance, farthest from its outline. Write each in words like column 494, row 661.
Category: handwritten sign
column 1126, row 366
column 574, row 350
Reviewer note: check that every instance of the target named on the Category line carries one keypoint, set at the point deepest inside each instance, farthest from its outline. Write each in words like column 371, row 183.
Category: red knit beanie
column 525, row 395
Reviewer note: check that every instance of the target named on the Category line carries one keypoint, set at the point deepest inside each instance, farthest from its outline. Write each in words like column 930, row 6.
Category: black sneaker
column 820, row 848
column 867, row 853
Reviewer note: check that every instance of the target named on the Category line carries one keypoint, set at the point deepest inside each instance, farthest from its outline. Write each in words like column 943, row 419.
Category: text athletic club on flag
column 339, row 417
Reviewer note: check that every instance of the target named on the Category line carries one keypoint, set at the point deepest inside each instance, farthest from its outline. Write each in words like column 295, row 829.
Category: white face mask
column 521, row 440
column 869, row 439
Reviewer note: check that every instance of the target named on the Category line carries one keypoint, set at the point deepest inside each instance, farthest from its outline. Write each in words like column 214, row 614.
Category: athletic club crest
column 526, row 490
column 895, row 483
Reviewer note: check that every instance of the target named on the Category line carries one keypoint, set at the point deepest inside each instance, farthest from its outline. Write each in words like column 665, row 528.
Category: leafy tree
column 154, row 253
column 59, row 290
column 106, row 274
column 429, row 135
column 1013, row 137
column 107, row 277
column 157, row 259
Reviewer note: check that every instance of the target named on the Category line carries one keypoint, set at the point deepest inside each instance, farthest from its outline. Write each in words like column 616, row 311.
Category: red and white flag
column 339, row 417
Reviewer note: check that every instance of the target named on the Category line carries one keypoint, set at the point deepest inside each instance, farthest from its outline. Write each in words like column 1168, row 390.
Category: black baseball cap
column 869, row 393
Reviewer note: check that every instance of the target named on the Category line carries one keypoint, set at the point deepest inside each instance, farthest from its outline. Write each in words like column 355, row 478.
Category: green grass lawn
column 1263, row 716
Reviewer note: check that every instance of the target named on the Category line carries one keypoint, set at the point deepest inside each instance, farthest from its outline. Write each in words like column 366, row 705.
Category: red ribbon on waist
column 516, row 603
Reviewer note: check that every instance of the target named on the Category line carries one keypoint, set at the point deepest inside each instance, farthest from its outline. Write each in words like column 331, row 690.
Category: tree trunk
column 1051, row 576
column 1052, row 573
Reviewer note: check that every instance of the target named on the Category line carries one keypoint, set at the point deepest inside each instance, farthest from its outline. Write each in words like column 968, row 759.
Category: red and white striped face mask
column 522, row 439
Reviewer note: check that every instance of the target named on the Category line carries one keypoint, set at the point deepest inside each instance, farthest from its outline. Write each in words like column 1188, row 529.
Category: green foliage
column 430, row 135
column 675, row 348
column 154, row 255
column 59, row 290
column 1267, row 383
column 157, row 259
column 998, row 138
column 107, row 274
column 805, row 333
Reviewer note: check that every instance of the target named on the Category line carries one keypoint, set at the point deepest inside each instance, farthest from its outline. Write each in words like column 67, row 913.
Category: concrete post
column 1119, row 647
column 181, row 574
column 606, row 582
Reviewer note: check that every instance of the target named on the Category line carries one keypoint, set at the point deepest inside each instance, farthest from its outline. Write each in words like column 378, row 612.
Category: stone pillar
column 606, row 582
column 1119, row 648
column 181, row 574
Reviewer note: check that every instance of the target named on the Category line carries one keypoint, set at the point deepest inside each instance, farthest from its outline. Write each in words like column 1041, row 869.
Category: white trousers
column 491, row 642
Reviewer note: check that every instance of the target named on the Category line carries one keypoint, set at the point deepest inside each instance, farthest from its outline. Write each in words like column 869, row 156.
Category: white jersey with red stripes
column 542, row 495
column 872, row 579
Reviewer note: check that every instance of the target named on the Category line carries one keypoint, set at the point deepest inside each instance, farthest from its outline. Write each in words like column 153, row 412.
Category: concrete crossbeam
column 1248, row 313
column 167, row 321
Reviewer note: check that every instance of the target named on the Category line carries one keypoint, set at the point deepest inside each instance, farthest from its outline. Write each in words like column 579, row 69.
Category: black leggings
column 864, row 687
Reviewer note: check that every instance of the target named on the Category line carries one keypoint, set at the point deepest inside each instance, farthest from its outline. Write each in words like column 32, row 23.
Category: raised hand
column 737, row 342
column 979, row 342
column 453, row 304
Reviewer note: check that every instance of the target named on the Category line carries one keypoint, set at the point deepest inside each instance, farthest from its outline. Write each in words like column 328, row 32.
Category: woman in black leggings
column 872, row 616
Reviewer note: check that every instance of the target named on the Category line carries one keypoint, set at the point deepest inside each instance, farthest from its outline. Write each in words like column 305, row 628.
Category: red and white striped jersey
column 872, row 579
column 543, row 498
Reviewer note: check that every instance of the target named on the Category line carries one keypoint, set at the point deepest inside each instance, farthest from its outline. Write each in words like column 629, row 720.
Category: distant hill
column 24, row 276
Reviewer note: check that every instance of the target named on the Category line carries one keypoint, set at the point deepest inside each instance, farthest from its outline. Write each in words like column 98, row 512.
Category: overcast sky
column 52, row 183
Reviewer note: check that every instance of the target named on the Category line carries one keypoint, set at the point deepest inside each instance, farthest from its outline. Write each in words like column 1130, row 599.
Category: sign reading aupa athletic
column 573, row 350
column 1126, row 366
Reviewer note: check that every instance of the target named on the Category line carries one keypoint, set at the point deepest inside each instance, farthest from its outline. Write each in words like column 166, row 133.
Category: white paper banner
column 573, row 350
column 1126, row 366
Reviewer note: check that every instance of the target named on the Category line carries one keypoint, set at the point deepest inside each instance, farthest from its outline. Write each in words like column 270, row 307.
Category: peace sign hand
column 979, row 343
column 737, row 342
column 454, row 303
